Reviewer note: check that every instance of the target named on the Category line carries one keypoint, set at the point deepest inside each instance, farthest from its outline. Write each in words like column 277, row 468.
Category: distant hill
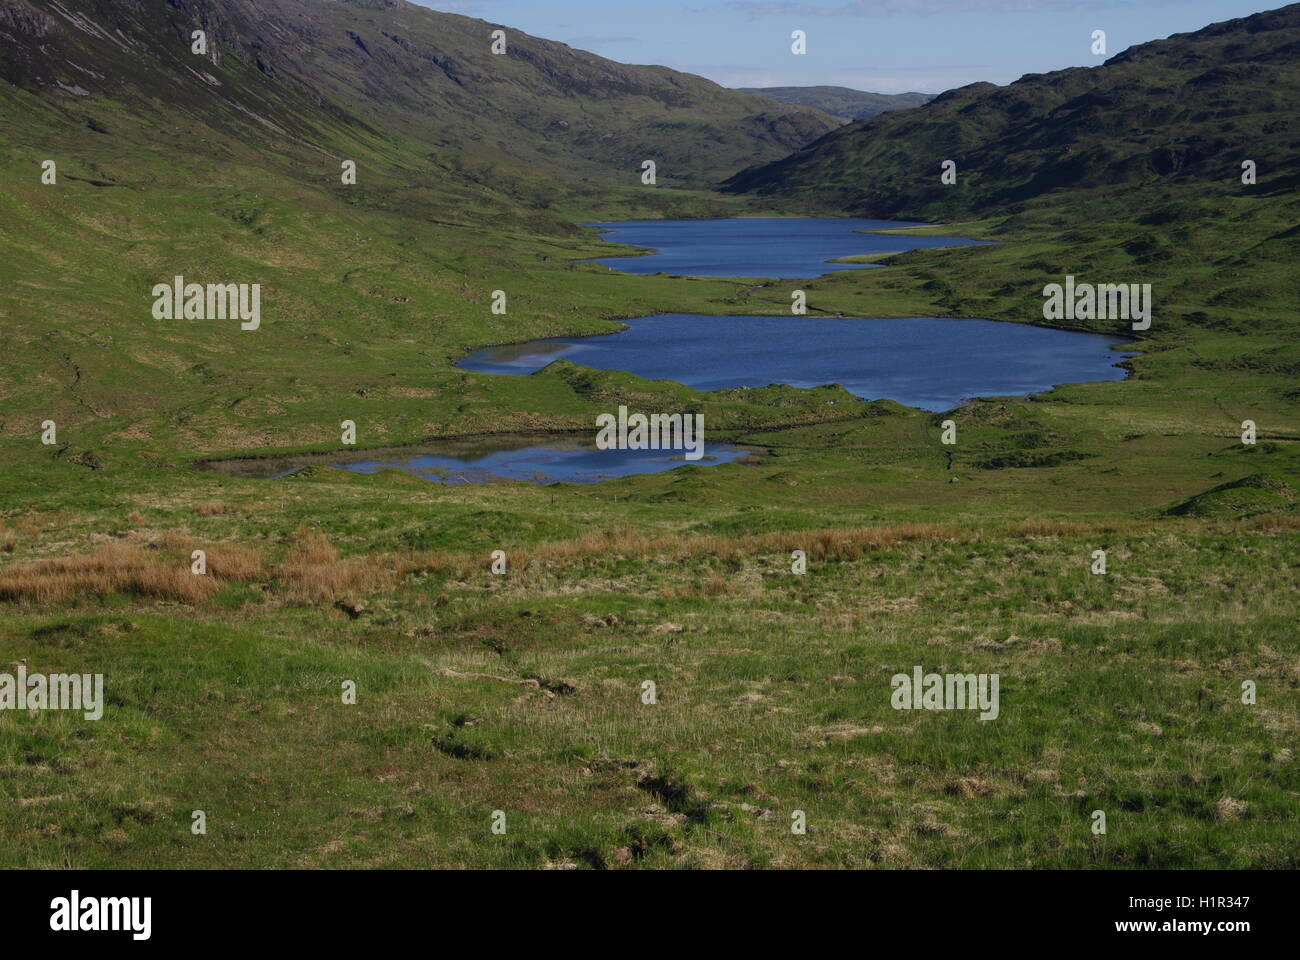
column 843, row 103
column 1186, row 110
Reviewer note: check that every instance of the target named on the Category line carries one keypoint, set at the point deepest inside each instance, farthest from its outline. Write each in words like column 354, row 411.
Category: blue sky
column 888, row 46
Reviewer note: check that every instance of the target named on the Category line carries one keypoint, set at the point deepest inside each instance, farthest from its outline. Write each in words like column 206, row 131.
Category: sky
column 885, row 46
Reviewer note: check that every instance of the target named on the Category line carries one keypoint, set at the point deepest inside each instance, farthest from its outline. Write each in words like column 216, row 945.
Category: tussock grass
column 235, row 562
column 522, row 693
column 841, row 545
column 313, row 572
column 111, row 568
column 160, row 568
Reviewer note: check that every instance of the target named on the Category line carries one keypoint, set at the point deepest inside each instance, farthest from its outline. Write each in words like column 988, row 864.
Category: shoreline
column 621, row 326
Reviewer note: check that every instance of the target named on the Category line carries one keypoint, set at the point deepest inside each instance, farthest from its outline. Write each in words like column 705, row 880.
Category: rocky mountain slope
column 395, row 76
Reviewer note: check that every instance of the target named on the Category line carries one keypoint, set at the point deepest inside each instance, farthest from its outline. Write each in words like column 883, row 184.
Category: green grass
column 773, row 697
column 1119, row 693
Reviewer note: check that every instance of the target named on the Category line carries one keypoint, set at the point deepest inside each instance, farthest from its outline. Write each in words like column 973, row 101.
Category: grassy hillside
column 522, row 692
column 843, row 103
column 1185, row 111
column 420, row 91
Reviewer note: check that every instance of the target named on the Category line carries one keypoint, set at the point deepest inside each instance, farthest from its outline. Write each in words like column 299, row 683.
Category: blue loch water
column 932, row 363
column 792, row 247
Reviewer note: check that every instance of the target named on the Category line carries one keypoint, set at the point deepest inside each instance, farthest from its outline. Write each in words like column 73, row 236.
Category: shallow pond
column 533, row 459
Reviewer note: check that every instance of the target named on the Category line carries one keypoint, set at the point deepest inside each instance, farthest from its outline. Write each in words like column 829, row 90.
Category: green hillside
column 421, row 90
column 1172, row 113
column 228, row 168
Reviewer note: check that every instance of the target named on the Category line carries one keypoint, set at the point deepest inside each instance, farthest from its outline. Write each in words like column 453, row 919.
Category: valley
column 516, row 683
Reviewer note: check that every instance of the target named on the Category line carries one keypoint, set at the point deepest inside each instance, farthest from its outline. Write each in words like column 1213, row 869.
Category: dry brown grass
column 842, row 544
column 112, row 568
column 210, row 508
column 157, row 567
column 1274, row 521
column 715, row 585
column 845, row 544
column 315, row 573
column 233, row 561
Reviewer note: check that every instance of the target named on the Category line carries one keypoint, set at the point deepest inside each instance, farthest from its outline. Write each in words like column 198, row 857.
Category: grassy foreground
column 522, row 693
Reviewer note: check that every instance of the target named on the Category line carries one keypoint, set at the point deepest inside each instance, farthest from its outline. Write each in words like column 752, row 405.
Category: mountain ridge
column 843, row 103
column 1163, row 110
